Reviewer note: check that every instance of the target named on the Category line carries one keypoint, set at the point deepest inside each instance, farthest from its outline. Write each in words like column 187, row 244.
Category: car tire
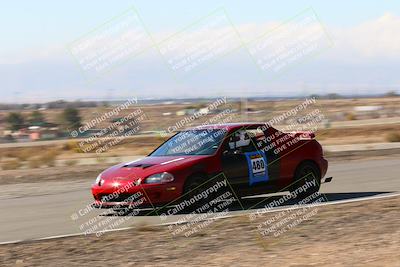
column 194, row 186
column 306, row 172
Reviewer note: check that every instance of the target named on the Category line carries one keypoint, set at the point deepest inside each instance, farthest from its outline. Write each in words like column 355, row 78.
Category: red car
column 253, row 157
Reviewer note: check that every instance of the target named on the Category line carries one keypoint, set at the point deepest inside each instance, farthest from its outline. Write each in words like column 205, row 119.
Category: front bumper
column 123, row 194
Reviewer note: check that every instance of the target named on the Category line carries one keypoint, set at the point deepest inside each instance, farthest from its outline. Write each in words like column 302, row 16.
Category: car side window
column 257, row 137
column 240, row 142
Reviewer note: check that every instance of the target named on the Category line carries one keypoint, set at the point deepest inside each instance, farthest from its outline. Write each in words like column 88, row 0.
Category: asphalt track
column 48, row 209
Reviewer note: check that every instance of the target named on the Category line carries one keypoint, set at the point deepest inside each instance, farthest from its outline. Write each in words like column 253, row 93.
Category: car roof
column 227, row 126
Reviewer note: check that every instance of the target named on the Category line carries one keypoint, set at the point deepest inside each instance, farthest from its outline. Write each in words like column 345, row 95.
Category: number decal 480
column 257, row 163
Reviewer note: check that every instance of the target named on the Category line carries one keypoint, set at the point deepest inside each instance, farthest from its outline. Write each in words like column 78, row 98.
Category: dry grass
column 393, row 137
column 47, row 158
column 347, row 135
column 9, row 153
column 11, row 164
column 25, row 154
column 71, row 162
column 350, row 117
column 35, row 163
column 72, row 146
column 101, row 159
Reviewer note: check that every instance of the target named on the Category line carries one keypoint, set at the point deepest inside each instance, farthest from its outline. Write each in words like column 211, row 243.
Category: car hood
column 144, row 167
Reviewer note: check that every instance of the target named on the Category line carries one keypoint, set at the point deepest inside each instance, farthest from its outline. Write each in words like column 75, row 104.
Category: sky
column 355, row 48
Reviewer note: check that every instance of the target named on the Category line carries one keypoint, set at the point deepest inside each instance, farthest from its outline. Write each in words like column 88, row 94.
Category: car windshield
column 192, row 142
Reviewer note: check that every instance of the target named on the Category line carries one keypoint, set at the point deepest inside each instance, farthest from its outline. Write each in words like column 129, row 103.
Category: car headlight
column 98, row 180
column 159, row 178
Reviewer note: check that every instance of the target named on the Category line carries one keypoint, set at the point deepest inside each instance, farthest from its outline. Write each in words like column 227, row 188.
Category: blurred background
column 64, row 68
column 88, row 84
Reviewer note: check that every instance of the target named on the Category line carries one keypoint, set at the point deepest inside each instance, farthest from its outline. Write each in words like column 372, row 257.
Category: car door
column 244, row 164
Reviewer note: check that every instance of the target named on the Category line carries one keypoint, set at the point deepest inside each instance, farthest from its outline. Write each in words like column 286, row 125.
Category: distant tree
column 36, row 118
column 15, row 121
column 333, row 96
column 75, row 104
column 57, row 104
column 70, row 118
column 391, row 94
column 316, row 96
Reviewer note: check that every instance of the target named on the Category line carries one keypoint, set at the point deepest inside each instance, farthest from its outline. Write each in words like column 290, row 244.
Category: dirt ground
column 51, row 174
column 356, row 135
column 365, row 233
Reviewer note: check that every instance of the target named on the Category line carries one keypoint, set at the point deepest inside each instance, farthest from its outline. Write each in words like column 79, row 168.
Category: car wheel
column 193, row 188
column 306, row 174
